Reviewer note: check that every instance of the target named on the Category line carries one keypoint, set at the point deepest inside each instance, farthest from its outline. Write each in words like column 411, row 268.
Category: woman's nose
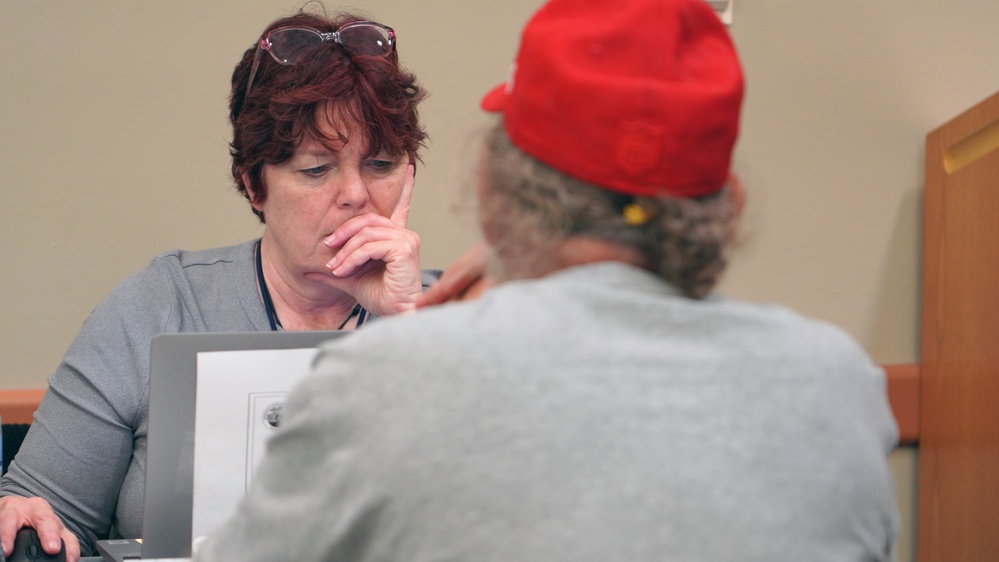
column 352, row 192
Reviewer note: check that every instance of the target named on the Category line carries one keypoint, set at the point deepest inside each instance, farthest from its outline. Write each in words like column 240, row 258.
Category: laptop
column 168, row 509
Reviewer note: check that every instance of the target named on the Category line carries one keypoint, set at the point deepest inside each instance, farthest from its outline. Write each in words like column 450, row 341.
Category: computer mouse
column 27, row 548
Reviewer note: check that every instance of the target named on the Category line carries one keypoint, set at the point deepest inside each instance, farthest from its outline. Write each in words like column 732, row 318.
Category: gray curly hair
column 527, row 209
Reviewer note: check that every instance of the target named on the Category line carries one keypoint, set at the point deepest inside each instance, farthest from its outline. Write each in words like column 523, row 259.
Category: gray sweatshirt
column 592, row 415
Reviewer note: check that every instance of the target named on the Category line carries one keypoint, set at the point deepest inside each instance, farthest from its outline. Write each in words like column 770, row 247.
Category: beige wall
column 113, row 148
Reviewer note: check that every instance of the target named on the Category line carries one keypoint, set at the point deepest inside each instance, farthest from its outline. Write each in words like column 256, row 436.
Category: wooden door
column 959, row 391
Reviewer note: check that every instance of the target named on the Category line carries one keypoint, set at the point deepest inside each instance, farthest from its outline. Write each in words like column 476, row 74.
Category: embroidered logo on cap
column 638, row 147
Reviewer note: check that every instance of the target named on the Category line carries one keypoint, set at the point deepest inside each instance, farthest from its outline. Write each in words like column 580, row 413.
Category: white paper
column 239, row 400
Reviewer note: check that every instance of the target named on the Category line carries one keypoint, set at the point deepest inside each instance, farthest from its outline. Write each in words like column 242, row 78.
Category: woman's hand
column 17, row 512
column 462, row 280
column 379, row 259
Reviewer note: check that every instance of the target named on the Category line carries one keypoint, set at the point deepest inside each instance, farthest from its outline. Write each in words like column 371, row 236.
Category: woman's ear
column 250, row 194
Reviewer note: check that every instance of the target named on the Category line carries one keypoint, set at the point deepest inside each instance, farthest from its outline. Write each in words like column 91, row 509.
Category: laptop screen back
column 167, row 513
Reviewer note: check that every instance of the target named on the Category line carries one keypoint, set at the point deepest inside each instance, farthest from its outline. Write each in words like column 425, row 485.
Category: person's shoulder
column 442, row 317
column 209, row 256
column 427, row 332
column 799, row 335
column 194, row 267
column 766, row 323
column 774, row 315
column 170, row 269
column 388, row 358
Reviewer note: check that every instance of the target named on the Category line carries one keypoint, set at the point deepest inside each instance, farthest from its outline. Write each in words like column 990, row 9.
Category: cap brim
column 495, row 99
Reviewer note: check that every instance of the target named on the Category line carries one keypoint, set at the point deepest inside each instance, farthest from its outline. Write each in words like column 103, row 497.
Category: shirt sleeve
column 80, row 445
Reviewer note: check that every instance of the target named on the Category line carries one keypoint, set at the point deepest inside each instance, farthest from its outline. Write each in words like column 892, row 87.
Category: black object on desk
column 13, row 434
column 27, row 548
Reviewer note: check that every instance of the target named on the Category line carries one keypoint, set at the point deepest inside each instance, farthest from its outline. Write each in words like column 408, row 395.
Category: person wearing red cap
column 601, row 401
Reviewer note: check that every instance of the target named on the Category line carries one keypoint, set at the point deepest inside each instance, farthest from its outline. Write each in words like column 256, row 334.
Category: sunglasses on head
column 287, row 45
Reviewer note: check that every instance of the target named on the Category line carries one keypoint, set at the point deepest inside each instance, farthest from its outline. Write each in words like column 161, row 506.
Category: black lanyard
column 264, row 293
column 272, row 318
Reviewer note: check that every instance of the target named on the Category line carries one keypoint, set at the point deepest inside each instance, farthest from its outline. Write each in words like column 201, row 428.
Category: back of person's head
column 619, row 122
column 331, row 85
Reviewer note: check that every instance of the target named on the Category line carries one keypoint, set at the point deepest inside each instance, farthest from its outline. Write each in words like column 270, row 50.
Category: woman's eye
column 381, row 165
column 315, row 171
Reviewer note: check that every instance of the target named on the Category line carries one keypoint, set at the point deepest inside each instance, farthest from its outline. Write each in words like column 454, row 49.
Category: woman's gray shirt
column 86, row 450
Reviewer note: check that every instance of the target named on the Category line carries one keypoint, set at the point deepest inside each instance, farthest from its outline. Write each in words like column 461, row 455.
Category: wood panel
column 959, row 396
column 18, row 406
column 903, row 396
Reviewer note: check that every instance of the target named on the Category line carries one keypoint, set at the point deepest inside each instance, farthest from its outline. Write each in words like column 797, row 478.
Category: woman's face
column 320, row 187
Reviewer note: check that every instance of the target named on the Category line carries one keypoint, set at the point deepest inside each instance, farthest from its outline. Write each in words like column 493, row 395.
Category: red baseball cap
column 636, row 96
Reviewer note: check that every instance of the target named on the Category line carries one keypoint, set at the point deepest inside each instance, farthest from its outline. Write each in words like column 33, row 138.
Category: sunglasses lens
column 366, row 40
column 288, row 45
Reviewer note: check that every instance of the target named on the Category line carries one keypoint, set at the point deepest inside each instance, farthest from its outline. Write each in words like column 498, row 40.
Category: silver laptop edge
column 167, row 514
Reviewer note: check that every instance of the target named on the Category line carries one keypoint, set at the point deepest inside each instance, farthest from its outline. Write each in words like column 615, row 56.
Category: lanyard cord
column 354, row 312
column 264, row 293
column 272, row 319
